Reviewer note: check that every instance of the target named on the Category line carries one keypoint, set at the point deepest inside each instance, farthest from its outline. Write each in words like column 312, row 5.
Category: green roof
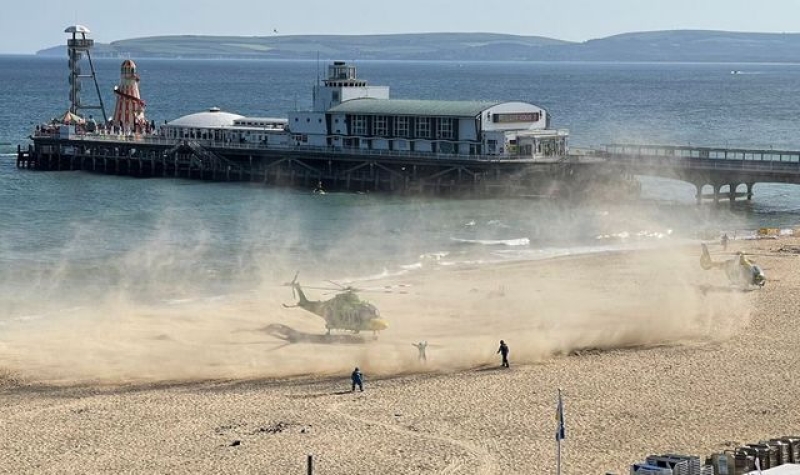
column 413, row 107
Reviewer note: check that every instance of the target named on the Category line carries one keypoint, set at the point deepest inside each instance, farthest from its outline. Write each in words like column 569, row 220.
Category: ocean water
column 68, row 238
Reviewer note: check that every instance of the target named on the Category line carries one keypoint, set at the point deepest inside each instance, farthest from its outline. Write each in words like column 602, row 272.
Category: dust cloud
column 540, row 308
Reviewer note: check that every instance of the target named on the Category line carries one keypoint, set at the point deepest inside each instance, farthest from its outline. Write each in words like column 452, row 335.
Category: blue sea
column 68, row 238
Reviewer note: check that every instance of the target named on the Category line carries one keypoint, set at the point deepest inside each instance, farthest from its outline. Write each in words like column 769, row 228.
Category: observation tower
column 77, row 47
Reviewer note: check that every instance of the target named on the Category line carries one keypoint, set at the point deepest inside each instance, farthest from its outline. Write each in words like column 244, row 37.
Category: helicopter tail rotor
column 293, row 284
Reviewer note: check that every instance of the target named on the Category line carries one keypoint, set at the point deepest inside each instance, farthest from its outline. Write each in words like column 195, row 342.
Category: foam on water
column 494, row 242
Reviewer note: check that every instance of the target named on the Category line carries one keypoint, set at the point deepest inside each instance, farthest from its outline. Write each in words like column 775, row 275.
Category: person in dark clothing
column 503, row 350
column 357, row 379
column 724, row 241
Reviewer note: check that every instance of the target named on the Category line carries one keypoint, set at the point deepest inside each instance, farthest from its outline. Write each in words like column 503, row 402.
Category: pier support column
column 750, row 191
column 698, row 196
column 732, row 192
column 717, row 189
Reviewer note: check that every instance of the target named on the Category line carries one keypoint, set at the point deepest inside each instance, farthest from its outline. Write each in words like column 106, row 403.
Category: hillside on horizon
column 666, row 46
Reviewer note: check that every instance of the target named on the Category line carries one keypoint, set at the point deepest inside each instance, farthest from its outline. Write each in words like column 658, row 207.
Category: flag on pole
column 561, row 431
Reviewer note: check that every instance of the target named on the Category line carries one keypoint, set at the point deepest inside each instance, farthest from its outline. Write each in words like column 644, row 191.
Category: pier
column 357, row 138
column 731, row 173
column 345, row 170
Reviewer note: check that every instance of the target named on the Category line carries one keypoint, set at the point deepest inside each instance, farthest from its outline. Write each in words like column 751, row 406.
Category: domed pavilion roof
column 210, row 119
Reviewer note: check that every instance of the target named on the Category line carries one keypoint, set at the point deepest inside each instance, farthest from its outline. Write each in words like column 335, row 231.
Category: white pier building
column 350, row 115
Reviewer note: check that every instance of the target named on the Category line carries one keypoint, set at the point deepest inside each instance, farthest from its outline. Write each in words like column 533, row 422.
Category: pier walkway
column 724, row 169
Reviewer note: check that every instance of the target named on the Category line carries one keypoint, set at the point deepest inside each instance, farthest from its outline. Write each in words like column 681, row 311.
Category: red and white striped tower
column 129, row 112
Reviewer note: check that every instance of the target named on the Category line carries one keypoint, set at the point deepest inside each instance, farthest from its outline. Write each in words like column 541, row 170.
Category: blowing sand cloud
column 541, row 309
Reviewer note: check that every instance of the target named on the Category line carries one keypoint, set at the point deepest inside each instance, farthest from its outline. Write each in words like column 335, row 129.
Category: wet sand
column 652, row 354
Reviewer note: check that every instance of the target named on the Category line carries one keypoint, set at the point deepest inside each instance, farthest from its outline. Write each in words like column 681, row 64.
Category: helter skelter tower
column 129, row 111
column 77, row 47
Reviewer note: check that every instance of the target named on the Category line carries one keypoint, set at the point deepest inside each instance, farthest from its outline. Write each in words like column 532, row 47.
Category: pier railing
column 158, row 140
column 710, row 153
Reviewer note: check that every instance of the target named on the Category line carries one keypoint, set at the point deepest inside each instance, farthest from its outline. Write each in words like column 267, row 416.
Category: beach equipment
column 766, row 455
column 646, row 469
column 678, row 464
column 794, row 448
column 781, row 450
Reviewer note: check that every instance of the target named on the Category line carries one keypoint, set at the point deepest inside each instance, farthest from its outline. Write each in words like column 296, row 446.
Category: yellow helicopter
column 345, row 311
column 740, row 270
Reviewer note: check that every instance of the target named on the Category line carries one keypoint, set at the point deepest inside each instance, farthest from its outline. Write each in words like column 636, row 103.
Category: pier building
column 219, row 127
column 349, row 114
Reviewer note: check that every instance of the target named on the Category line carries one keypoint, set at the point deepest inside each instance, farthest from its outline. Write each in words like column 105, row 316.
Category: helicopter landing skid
column 291, row 335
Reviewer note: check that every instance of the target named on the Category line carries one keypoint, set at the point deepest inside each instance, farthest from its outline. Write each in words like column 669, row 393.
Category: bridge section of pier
column 726, row 170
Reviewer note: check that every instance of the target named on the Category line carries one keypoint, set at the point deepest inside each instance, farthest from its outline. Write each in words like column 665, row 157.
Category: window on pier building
column 380, row 126
column 401, row 126
column 359, row 125
column 445, row 128
column 423, row 129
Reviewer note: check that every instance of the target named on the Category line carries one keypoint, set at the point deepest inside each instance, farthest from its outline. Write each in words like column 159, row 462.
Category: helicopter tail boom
column 705, row 260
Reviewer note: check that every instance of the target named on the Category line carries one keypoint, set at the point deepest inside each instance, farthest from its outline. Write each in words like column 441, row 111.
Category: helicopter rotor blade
column 345, row 288
column 336, row 284
column 328, row 289
column 389, row 289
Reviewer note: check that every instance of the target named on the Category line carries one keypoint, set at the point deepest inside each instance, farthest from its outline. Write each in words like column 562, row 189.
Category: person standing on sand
column 724, row 241
column 421, row 347
column 358, row 380
column 503, row 350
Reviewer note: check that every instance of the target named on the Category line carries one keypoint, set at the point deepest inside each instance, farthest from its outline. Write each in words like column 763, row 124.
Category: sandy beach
column 653, row 355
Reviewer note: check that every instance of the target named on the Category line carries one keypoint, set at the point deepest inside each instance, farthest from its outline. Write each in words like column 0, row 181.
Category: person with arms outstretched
column 421, row 347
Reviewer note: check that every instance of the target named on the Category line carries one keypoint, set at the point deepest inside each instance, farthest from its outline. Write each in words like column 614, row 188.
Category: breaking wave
column 494, row 242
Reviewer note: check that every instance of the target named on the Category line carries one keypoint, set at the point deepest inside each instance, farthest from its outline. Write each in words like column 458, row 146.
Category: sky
column 33, row 25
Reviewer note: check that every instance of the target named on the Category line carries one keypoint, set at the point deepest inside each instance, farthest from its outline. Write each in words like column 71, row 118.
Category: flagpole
column 558, row 456
column 560, row 432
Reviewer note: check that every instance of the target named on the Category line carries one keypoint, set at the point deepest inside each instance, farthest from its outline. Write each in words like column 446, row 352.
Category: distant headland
column 666, row 46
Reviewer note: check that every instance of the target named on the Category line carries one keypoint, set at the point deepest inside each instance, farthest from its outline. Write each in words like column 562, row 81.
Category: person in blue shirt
column 358, row 380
